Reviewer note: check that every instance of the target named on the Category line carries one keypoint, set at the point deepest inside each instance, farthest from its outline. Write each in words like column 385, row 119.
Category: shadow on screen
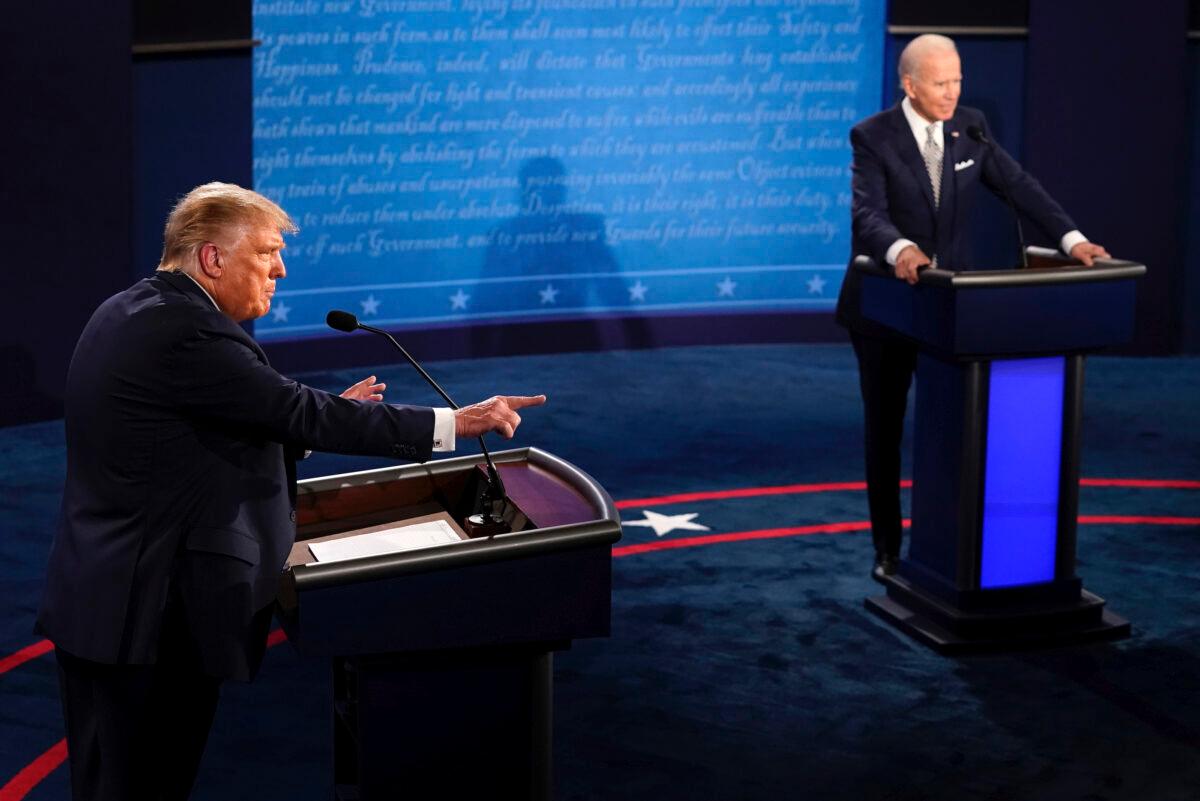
column 570, row 271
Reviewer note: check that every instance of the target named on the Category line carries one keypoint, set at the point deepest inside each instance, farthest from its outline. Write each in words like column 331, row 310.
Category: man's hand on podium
column 497, row 413
column 1088, row 252
column 908, row 262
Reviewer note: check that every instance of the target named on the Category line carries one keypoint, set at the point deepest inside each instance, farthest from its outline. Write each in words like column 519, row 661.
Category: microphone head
column 976, row 133
column 341, row 320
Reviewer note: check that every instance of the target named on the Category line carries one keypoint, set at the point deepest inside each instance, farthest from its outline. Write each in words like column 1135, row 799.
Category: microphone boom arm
column 495, row 493
column 976, row 133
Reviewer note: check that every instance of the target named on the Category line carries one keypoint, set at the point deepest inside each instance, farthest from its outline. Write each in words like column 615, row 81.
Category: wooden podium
column 991, row 558
column 443, row 657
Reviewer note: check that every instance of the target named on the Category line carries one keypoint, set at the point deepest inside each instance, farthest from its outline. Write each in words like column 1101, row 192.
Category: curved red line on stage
column 32, row 774
column 846, row 486
column 24, row 655
column 746, row 492
column 861, row 525
column 1134, row 520
column 739, row 536
column 1141, row 483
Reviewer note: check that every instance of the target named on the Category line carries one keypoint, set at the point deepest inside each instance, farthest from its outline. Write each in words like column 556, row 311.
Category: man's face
column 251, row 262
column 935, row 88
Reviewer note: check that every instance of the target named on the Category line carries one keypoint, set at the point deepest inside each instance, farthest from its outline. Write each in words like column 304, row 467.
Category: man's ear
column 210, row 260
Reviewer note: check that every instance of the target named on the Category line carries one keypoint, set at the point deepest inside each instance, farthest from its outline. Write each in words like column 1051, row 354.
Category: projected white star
column 638, row 291
column 726, row 287
column 816, row 285
column 664, row 524
column 370, row 305
column 459, row 300
column 549, row 294
column 279, row 312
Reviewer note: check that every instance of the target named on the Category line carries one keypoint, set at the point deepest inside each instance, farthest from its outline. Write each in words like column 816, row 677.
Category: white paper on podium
column 392, row 540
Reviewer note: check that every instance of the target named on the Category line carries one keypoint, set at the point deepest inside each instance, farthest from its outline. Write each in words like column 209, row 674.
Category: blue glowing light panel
column 450, row 161
column 1024, row 452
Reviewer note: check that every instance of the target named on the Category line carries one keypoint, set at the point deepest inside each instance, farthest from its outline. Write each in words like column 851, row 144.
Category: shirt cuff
column 1071, row 239
column 900, row 244
column 443, row 429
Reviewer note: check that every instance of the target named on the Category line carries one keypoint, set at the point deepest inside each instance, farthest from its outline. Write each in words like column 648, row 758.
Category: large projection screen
column 453, row 162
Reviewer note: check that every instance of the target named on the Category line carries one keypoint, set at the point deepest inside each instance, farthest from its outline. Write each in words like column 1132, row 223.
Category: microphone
column 976, row 133
column 487, row 521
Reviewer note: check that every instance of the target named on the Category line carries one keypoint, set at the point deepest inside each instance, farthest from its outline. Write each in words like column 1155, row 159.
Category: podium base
column 467, row 723
column 949, row 630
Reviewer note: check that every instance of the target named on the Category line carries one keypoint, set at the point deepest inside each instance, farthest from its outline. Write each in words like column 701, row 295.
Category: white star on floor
column 280, row 312
column 549, row 294
column 370, row 305
column 816, row 285
column 664, row 524
column 638, row 291
column 726, row 287
column 459, row 300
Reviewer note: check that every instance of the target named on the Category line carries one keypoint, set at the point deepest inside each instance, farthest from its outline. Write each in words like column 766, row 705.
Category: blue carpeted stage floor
column 745, row 668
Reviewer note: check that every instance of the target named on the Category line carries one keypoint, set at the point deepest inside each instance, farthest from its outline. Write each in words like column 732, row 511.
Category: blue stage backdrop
column 458, row 161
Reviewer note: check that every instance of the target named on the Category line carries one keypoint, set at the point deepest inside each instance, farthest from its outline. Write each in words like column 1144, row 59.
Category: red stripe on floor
column 24, row 655
column 862, row 525
column 1148, row 483
column 33, row 773
column 1134, row 520
column 848, row 486
column 746, row 492
column 741, row 536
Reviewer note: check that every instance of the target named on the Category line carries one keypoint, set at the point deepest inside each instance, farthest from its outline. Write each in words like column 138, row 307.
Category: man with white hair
column 916, row 170
column 179, row 505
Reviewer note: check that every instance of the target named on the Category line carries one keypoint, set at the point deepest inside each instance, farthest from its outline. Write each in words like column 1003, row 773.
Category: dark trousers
column 885, row 371
column 137, row 732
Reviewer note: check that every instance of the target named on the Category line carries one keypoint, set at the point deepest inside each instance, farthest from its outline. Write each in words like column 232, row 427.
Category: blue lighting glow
column 504, row 162
column 1024, row 448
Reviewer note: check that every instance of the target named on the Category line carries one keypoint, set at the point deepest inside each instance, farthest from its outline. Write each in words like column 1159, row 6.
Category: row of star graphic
column 548, row 296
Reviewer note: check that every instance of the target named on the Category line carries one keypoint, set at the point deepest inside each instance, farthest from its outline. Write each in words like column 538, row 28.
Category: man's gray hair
column 915, row 51
column 206, row 212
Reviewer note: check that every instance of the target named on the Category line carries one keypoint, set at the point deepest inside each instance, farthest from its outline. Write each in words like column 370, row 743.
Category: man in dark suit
column 178, row 509
column 915, row 175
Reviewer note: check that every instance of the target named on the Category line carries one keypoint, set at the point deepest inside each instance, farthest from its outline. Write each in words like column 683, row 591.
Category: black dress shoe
column 885, row 565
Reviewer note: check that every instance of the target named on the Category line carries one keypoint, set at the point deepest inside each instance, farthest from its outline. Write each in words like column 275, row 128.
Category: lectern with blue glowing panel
column 991, row 558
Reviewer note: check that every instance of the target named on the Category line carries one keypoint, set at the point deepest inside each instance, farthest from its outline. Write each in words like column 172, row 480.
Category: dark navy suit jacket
column 180, row 479
column 893, row 197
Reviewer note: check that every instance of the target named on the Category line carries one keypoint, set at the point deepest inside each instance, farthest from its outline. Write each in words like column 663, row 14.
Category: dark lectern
column 991, row 559
column 442, row 656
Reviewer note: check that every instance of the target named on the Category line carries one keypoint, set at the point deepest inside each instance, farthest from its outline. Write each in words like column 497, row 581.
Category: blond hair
column 210, row 210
